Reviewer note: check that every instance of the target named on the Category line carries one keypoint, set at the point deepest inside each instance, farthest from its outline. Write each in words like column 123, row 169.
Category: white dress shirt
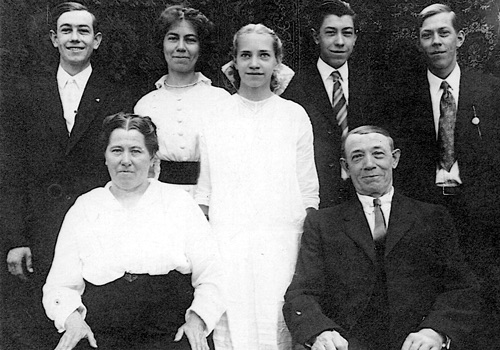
column 443, row 177
column 100, row 241
column 71, row 91
column 326, row 71
column 369, row 209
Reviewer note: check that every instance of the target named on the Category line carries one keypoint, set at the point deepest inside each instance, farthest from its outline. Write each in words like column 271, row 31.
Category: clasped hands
column 77, row 329
column 424, row 339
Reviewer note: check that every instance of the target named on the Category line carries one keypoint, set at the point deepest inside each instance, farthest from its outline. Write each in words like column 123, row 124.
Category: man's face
column 75, row 40
column 439, row 42
column 336, row 39
column 369, row 162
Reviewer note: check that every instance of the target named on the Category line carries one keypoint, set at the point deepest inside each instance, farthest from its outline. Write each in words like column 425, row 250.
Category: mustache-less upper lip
column 437, row 52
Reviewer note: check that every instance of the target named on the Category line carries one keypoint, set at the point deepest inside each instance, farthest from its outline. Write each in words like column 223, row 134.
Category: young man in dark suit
column 450, row 131
column 54, row 155
column 380, row 271
column 334, row 93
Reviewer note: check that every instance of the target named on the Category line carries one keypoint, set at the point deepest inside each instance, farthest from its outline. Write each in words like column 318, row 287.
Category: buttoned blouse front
column 177, row 113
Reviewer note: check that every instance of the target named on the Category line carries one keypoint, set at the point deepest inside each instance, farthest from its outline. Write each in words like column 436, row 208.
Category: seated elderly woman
column 129, row 255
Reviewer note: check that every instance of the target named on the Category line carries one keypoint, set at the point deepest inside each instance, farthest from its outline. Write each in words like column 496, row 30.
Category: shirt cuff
column 63, row 308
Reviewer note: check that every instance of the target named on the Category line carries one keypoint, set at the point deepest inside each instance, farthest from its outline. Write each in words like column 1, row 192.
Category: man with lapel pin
column 335, row 94
column 54, row 156
column 450, row 131
column 380, row 271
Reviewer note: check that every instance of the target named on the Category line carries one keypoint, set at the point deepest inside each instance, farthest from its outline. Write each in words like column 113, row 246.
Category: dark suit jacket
column 308, row 90
column 428, row 283
column 47, row 169
column 477, row 210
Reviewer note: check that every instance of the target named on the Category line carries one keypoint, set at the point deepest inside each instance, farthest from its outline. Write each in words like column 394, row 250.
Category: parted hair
column 64, row 7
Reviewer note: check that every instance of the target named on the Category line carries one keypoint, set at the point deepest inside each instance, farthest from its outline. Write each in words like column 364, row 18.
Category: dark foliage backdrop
column 130, row 54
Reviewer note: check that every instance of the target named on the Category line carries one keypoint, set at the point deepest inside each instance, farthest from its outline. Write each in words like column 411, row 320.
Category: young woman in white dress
column 257, row 180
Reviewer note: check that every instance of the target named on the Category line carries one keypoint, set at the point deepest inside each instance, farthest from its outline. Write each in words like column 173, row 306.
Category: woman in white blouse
column 257, row 180
column 129, row 255
column 183, row 96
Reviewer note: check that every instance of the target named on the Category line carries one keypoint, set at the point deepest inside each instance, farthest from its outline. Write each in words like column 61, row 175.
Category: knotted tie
column 339, row 104
column 379, row 229
column 446, row 133
column 72, row 97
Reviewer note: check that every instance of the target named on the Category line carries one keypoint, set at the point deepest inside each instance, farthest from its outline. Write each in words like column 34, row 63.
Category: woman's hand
column 76, row 329
column 194, row 328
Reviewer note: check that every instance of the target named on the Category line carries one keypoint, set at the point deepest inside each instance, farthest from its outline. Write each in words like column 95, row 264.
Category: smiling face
column 75, row 40
column 439, row 42
column 336, row 39
column 128, row 159
column 369, row 162
column 181, row 47
column 255, row 61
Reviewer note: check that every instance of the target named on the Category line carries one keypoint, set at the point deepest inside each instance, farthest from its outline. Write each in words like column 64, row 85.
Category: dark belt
column 451, row 191
column 179, row 173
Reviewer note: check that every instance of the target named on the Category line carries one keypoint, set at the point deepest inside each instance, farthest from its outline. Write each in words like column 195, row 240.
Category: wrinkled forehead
column 366, row 142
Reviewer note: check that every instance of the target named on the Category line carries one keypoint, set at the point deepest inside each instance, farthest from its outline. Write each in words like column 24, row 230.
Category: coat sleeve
column 302, row 311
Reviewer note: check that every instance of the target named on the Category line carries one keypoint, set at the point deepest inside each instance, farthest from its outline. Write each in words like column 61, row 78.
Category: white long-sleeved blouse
column 100, row 241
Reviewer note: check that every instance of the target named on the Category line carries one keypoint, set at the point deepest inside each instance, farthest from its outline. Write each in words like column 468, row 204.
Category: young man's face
column 336, row 39
column 75, row 40
column 439, row 42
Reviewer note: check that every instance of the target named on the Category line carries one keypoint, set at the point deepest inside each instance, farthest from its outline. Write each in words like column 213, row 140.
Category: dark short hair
column 332, row 7
column 259, row 29
column 435, row 9
column 367, row 129
column 64, row 7
column 174, row 14
column 129, row 121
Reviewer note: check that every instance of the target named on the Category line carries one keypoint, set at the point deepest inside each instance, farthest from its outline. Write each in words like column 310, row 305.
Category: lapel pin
column 476, row 121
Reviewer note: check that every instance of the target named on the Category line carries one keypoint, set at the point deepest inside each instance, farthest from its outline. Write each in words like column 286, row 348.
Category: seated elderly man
column 381, row 271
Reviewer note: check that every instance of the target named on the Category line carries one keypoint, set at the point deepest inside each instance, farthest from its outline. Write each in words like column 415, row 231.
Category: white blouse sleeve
column 306, row 167
column 204, row 186
column 64, row 286
column 208, row 277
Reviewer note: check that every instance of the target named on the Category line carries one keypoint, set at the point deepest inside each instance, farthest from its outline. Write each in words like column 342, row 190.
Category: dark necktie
column 446, row 132
column 379, row 229
column 339, row 104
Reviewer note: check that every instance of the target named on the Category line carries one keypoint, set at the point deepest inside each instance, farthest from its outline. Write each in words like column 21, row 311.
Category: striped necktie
column 446, row 132
column 339, row 104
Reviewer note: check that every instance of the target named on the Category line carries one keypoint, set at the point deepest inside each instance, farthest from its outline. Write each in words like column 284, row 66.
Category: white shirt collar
column 453, row 80
column 326, row 70
column 367, row 201
column 81, row 78
column 200, row 78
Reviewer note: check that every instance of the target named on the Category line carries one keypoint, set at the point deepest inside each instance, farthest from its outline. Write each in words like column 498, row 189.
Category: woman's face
column 127, row 158
column 181, row 47
column 255, row 60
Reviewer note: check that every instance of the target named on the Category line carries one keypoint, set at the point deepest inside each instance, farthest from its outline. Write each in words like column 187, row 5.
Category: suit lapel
column 316, row 89
column 401, row 220
column 88, row 109
column 356, row 227
column 51, row 109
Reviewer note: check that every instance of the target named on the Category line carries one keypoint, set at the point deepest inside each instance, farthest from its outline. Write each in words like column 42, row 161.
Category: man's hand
column 15, row 260
column 330, row 340
column 424, row 339
column 76, row 329
column 194, row 328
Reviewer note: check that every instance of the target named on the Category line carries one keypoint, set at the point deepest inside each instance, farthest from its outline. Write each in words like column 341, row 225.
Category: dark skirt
column 142, row 312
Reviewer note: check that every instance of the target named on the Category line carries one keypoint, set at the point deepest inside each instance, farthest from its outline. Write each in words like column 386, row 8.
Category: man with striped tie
column 335, row 94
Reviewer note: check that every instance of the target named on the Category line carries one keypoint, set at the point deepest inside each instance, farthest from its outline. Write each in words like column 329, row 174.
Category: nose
column 181, row 45
column 125, row 161
column 436, row 39
column 369, row 162
column 339, row 40
column 74, row 35
column 254, row 62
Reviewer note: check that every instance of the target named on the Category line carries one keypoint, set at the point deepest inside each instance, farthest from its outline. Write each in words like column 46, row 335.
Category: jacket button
column 331, row 165
column 298, row 312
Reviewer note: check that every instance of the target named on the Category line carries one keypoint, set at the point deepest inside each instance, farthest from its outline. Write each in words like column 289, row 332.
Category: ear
column 345, row 166
column 53, row 38
column 460, row 38
column 395, row 157
column 315, row 36
column 97, row 40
